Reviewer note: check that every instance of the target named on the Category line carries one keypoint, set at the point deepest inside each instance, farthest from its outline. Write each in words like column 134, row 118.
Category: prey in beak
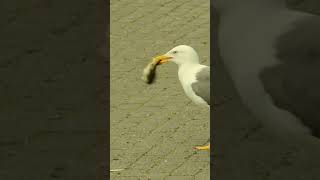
column 162, row 59
column 149, row 71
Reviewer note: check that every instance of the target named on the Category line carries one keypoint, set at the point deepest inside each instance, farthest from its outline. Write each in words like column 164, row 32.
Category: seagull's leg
column 206, row 147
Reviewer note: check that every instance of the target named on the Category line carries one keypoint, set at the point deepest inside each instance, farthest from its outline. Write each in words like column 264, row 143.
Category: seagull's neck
column 188, row 64
column 186, row 68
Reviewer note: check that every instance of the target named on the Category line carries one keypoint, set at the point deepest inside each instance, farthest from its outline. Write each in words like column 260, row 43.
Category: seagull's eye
column 174, row 52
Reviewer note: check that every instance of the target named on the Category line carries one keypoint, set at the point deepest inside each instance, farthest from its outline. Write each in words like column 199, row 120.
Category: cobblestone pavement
column 155, row 127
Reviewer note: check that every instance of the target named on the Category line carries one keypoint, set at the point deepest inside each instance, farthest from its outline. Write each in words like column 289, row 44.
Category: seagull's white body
column 187, row 76
column 194, row 77
column 247, row 48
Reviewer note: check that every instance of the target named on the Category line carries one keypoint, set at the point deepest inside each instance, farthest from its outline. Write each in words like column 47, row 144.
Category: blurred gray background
column 242, row 149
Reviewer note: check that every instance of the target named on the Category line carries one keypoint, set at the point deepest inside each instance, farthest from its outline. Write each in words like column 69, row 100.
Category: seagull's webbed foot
column 207, row 147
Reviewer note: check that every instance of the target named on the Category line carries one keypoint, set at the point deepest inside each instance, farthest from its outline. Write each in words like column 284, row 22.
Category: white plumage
column 187, row 76
column 194, row 77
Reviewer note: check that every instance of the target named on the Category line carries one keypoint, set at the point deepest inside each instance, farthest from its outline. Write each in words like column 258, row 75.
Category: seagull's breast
column 187, row 76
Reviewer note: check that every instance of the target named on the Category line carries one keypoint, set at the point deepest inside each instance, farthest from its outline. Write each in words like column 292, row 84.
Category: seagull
column 194, row 77
column 273, row 57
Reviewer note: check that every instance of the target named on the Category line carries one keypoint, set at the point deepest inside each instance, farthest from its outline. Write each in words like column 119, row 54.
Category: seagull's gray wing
column 294, row 84
column 202, row 86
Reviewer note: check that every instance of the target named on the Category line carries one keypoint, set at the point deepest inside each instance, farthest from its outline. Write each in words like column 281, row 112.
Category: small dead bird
column 149, row 72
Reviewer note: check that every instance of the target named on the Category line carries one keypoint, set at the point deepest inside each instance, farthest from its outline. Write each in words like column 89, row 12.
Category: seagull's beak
column 162, row 59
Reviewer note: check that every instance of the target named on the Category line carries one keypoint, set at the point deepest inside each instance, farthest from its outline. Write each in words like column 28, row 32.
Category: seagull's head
column 180, row 55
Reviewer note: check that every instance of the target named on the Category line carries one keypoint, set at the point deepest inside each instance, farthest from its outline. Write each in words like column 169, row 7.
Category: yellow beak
column 162, row 59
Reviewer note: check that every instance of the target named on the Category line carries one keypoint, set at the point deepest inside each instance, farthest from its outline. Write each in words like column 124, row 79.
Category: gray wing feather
column 202, row 86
